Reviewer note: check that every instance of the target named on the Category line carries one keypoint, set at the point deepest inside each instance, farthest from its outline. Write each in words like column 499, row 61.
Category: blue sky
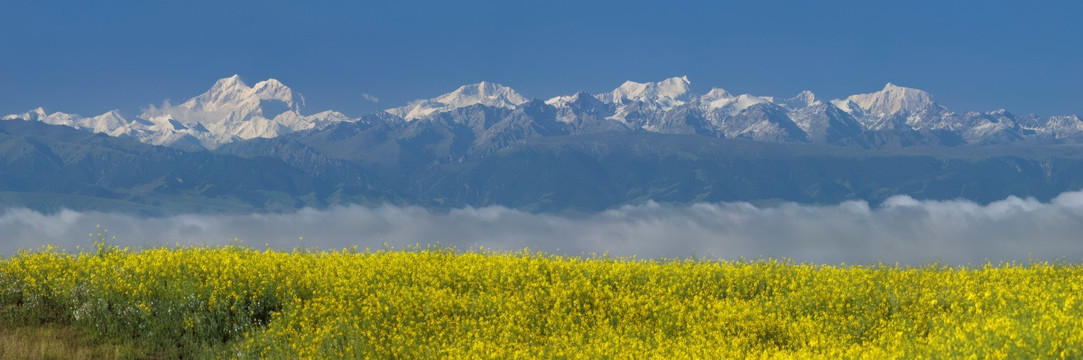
column 90, row 57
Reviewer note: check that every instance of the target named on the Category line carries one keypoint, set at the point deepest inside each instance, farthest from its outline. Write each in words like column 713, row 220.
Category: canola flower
column 442, row 303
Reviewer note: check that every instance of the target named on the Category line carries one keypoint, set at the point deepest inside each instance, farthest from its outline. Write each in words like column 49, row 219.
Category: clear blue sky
column 89, row 57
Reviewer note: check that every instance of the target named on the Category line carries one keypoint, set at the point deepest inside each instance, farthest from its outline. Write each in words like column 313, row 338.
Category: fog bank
column 901, row 229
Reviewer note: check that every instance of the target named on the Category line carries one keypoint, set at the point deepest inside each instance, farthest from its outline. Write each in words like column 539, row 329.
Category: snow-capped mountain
column 229, row 111
column 895, row 107
column 665, row 94
column 110, row 123
column 1061, row 127
column 644, row 100
column 802, row 100
column 486, row 144
column 910, row 115
column 997, row 126
column 483, row 93
column 672, row 106
column 748, row 116
column 721, row 100
column 583, row 113
column 232, row 111
column 889, row 101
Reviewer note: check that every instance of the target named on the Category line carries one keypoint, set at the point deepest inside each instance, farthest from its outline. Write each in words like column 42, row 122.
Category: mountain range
column 232, row 111
column 243, row 148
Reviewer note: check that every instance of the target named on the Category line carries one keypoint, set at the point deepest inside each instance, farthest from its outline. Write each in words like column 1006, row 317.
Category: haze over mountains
column 240, row 147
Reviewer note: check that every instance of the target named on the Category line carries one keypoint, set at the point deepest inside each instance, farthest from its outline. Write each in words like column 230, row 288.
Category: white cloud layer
column 902, row 230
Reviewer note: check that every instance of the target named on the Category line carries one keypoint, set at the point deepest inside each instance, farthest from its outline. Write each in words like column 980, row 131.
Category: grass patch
column 54, row 341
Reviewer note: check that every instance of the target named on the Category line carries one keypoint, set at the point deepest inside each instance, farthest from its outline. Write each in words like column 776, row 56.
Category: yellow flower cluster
column 439, row 303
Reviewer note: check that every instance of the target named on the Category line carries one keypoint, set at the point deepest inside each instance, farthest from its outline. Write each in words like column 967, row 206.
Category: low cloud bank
column 901, row 229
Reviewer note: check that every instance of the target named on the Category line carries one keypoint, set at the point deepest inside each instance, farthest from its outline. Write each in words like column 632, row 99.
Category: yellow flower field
column 441, row 303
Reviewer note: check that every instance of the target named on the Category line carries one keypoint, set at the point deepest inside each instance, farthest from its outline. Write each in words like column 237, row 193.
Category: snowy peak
column 564, row 101
column 35, row 114
column 716, row 94
column 112, row 117
column 637, row 103
column 272, row 89
column 665, row 94
column 483, row 93
column 893, row 99
column 111, row 123
column 230, row 94
column 224, row 91
column 717, row 99
column 802, row 100
column 571, row 108
column 232, row 110
column 229, row 111
column 39, row 114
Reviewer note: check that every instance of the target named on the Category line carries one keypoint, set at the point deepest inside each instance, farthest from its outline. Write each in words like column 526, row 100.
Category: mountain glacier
column 232, row 111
